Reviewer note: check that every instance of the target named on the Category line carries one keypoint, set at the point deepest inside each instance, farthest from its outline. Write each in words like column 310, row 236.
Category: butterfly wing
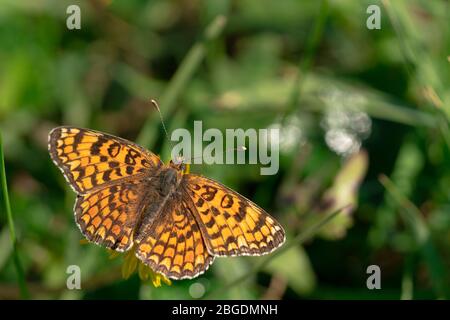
column 230, row 223
column 174, row 245
column 108, row 216
column 90, row 160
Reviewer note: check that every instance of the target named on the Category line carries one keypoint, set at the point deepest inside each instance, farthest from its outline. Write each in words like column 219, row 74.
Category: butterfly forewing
column 91, row 159
column 230, row 223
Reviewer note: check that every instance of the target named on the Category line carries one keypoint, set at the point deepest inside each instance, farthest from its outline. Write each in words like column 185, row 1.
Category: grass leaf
column 7, row 207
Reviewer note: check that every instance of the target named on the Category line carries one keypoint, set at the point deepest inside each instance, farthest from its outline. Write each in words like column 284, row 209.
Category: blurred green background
column 363, row 116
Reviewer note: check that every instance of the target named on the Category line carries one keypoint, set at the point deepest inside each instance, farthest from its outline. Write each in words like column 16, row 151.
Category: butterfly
column 177, row 222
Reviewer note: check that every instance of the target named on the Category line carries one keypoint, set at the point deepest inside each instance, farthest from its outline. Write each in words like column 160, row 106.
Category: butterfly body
column 170, row 180
column 177, row 223
column 161, row 189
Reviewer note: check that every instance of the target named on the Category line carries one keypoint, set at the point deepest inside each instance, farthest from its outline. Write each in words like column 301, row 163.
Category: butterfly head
column 178, row 163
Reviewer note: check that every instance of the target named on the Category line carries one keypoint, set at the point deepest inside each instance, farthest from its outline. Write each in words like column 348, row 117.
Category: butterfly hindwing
column 108, row 216
column 230, row 223
column 91, row 159
column 174, row 245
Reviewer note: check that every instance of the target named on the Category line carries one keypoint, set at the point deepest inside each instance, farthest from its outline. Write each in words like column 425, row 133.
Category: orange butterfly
column 177, row 222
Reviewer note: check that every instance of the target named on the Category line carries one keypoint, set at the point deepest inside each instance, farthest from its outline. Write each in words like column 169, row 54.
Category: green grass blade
column 18, row 265
column 407, row 279
column 415, row 221
column 413, row 54
column 308, row 58
column 187, row 68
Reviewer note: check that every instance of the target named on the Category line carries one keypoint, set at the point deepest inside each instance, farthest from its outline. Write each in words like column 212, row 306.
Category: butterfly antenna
column 155, row 104
column 240, row 148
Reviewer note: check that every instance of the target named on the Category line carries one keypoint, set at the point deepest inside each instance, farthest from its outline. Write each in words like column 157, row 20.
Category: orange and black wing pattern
column 90, row 160
column 108, row 216
column 174, row 245
column 120, row 205
column 230, row 223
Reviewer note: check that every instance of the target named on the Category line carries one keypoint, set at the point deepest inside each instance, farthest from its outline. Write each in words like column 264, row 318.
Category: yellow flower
column 131, row 263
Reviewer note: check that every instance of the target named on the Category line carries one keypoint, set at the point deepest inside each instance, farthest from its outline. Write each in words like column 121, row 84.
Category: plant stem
column 414, row 220
column 407, row 279
column 18, row 265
